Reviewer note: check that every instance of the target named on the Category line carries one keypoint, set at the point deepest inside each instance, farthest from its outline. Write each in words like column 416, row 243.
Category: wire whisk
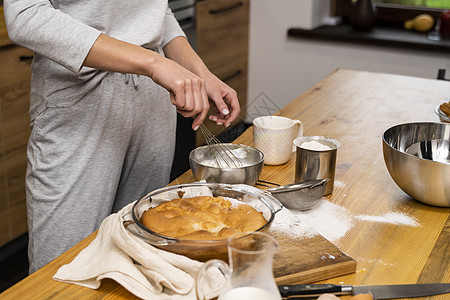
column 223, row 156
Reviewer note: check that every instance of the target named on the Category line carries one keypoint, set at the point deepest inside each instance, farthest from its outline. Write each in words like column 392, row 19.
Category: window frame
column 387, row 14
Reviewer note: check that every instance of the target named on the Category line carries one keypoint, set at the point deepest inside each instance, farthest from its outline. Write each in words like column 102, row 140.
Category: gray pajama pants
column 91, row 158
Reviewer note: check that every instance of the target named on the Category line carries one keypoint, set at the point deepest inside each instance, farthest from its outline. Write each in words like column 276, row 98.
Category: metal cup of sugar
column 316, row 159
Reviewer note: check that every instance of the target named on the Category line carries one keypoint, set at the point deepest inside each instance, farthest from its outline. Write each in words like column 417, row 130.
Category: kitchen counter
column 355, row 108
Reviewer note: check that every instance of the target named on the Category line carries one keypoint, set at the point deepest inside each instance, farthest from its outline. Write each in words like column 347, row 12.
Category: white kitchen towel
column 145, row 271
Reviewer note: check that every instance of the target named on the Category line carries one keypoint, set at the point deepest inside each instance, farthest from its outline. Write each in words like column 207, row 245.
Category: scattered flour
column 328, row 255
column 374, row 261
column 327, row 219
column 339, row 184
column 289, row 223
column 390, row 217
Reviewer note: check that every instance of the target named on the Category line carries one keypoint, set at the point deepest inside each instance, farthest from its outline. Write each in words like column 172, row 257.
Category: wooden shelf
column 378, row 36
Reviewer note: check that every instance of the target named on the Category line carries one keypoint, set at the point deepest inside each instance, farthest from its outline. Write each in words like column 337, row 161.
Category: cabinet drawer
column 15, row 79
column 14, row 132
column 222, row 14
column 235, row 75
column 222, row 31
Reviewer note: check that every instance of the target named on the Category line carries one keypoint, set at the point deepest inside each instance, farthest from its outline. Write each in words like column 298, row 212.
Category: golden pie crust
column 202, row 218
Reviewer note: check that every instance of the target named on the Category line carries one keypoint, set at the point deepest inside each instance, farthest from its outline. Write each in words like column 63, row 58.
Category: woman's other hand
column 225, row 103
column 222, row 98
column 188, row 92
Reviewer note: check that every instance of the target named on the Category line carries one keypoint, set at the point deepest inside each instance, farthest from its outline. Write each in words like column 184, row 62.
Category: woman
column 107, row 80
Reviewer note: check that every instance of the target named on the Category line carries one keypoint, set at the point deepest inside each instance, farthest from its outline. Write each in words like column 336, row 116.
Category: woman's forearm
column 187, row 91
column 181, row 72
column 114, row 55
column 110, row 54
column 180, row 51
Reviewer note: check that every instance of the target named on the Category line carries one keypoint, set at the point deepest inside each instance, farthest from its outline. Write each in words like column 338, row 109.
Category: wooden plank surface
column 355, row 108
column 308, row 260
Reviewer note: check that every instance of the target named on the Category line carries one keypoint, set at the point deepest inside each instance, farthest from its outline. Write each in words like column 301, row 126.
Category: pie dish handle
column 275, row 203
column 131, row 226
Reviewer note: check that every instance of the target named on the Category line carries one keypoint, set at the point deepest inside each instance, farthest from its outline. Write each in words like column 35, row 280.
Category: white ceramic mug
column 273, row 136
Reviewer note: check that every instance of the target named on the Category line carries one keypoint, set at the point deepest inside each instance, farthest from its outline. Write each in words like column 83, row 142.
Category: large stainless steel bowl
column 202, row 164
column 201, row 250
column 417, row 155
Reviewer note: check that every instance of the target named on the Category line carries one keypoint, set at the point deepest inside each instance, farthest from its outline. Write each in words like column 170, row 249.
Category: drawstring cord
column 133, row 78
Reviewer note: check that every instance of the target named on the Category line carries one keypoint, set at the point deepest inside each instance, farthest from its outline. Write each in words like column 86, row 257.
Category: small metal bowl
column 443, row 117
column 202, row 165
column 417, row 156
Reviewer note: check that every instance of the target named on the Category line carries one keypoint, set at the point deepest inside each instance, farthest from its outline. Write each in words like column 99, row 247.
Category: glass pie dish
column 201, row 250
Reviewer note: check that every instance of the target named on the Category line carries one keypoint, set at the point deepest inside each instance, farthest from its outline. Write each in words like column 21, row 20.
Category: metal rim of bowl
column 227, row 144
column 298, row 186
column 408, row 154
column 169, row 239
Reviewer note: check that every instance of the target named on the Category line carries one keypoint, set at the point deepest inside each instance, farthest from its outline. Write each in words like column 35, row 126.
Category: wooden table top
column 356, row 108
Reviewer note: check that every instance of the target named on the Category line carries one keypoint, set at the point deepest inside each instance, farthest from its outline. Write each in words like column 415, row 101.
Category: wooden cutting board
column 306, row 260
column 298, row 260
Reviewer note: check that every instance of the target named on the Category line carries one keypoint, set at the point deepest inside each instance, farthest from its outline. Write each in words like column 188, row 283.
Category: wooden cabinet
column 15, row 74
column 222, row 43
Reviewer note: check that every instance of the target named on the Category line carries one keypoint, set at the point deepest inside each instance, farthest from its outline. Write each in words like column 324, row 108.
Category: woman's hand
column 222, row 98
column 225, row 101
column 191, row 85
column 188, row 92
column 193, row 95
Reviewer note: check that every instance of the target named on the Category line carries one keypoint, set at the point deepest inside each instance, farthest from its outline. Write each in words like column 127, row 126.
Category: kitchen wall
column 282, row 68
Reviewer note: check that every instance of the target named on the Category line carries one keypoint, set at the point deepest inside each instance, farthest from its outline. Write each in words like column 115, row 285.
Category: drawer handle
column 224, row 9
column 235, row 74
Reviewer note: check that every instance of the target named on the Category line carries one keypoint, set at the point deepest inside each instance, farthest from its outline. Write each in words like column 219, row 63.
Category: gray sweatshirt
column 62, row 32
